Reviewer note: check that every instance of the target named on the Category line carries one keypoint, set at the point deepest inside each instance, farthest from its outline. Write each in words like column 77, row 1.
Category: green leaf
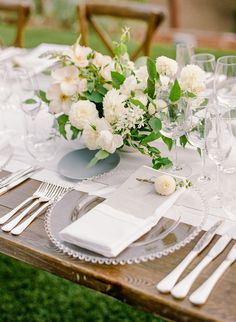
column 42, row 95
column 138, row 103
column 151, row 87
column 75, row 132
column 100, row 89
column 168, row 142
column 183, row 140
column 151, row 137
column 175, row 92
column 30, row 101
column 62, row 121
column 155, row 124
column 152, row 71
column 91, row 86
column 100, row 155
column 94, row 97
column 190, row 95
column 117, row 79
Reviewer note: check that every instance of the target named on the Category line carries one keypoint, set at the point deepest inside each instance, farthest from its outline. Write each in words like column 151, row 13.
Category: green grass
column 31, row 295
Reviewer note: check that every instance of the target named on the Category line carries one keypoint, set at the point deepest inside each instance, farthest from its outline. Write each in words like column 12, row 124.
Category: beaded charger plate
column 172, row 232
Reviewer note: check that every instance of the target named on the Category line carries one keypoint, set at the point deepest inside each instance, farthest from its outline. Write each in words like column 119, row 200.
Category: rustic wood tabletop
column 133, row 284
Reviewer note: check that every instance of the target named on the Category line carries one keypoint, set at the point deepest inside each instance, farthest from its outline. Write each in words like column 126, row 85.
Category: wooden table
column 133, row 284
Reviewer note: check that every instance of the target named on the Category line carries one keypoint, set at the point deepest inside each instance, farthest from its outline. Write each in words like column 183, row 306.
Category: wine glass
column 173, row 126
column 195, row 131
column 218, row 136
column 184, row 52
column 206, row 62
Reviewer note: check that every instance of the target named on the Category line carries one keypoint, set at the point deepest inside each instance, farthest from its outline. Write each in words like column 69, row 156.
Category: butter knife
column 182, row 288
column 16, row 175
column 13, row 184
column 201, row 295
column 166, row 284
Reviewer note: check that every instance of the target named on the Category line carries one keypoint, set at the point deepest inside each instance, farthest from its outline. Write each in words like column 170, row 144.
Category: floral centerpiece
column 112, row 102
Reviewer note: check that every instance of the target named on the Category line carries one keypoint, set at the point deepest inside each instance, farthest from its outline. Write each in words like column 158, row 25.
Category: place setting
column 106, row 139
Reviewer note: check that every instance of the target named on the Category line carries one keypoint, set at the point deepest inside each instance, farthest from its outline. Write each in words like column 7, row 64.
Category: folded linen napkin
column 128, row 214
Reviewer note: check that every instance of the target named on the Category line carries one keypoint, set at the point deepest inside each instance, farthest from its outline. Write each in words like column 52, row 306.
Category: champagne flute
column 184, row 52
column 195, row 131
column 218, row 135
column 206, row 62
column 173, row 126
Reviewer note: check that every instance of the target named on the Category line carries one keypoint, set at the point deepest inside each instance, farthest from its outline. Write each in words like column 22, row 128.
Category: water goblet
column 218, row 136
column 184, row 52
column 173, row 126
column 195, row 131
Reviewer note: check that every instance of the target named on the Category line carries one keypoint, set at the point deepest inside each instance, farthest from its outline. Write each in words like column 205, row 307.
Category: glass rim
column 220, row 60
column 211, row 57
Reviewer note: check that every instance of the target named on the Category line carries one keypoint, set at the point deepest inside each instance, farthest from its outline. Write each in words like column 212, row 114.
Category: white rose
column 165, row 80
column 113, row 105
column 166, row 66
column 82, row 85
column 102, row 60
column 106, row 72
column 109, row 141
column 59, row 102
column 192, row 79
column 165, row 185
column 130, row 85
column 79, row 55
column 82, row 113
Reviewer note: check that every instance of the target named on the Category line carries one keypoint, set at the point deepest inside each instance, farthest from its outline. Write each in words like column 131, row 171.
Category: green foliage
column 62, row 120
column 155, row 124
column 168, row 142
column 100, row 155
column 43, row 97
column 94, row 97
column 138, row 103
column 183, row 140
column 30, row 101
column 117, row 79
column 75, row 132
column 175, row 92
column 151, row 137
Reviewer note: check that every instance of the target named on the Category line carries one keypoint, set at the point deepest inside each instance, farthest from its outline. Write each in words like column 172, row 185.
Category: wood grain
column 133, row 284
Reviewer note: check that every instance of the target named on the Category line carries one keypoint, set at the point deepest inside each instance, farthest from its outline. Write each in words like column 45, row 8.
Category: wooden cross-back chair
column 22, row 12
column 153, row 15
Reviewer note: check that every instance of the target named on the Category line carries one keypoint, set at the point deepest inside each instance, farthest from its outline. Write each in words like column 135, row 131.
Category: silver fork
column 45, row 196
column 20, row 228
column 42, row 189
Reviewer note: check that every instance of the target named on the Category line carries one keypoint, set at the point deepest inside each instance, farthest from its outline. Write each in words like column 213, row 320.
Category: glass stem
column 218, row 184
column 203, row 158
column 175, row 164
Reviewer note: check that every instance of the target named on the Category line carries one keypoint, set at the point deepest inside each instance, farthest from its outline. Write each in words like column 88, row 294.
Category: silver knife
column 200, row 296
column 13, row 184
column 182, row 288
column 166, row 284
column 20, row 173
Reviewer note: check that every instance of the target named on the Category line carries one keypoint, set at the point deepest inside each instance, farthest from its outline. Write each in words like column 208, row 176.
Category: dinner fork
column 45, row 196
column 20, row 228
column 41, row 191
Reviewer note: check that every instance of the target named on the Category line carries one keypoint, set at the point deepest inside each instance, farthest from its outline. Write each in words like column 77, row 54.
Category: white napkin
column 114, row 224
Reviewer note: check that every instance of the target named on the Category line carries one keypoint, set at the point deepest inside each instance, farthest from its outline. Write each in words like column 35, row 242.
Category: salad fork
column 20, row 228
column 45, row 196
column 41, row 191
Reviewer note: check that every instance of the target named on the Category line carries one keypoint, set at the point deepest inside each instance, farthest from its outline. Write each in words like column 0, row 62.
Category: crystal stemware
column 195, row 131
column 184, row 52
column 218, row 135
column 173, row 126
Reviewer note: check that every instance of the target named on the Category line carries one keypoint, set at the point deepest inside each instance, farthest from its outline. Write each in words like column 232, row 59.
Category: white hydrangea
column 166, row 66
column 59, row 102
column 79, row 55
column 132, row 117
column 113, row 105
column 130, row 85
column 165, row 185
column 82, row 113
column 192, row 79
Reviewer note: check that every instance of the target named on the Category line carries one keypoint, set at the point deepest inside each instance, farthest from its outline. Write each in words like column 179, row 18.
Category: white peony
column 67, row 77
column 192, row 79
column 59, row 102
column 165, row 185
column 166, row 66
column 79, row 55
column 82, row 114
column 130, row 85
column 113, row 105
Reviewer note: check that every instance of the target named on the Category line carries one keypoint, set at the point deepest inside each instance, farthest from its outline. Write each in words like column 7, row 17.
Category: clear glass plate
column 181, row 224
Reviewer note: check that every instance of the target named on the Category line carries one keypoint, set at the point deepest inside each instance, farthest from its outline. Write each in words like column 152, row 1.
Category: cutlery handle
column 9, row 226
column 182, row 288
column 169, row 281
column 20, row 228
column 200, row 296
column 11, row 213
